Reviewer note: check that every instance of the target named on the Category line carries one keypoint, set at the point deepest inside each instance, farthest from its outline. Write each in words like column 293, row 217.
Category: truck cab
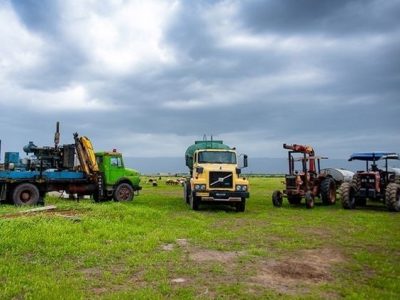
column 215, row 178
column 116, row 177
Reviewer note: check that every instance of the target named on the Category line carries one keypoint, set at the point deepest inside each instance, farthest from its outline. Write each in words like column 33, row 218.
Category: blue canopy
column 370, row 156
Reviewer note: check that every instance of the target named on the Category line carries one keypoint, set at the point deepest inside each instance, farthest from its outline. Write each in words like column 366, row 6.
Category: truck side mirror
column 245, row 161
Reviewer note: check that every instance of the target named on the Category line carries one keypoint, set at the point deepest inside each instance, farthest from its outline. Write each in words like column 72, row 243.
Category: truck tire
column 328, row 191
column 309, row 200
column 294, row 199
column 186, row 192
column 392, row 197
column 194, row 202
column 277, row 198
column 26, row 194
column 123, row 192
column 348, row 196
column 241, row 206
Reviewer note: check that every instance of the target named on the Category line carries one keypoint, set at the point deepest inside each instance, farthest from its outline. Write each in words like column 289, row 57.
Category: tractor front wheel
column 328, row 191
column 277, row 198
column 194, row 202
column 309, row 200
column 392, row 196
column 123, row 192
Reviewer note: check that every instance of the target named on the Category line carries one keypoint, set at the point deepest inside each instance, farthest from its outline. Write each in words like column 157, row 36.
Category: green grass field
column 155, row 247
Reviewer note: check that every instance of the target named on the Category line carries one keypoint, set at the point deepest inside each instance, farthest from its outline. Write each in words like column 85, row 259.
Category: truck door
column 116, row 169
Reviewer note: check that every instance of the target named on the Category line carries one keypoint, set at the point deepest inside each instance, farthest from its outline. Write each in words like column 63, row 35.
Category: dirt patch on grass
column 289, row 274
column 70, row 213
column 304, row 268
column 94, row 272
column 203, row 255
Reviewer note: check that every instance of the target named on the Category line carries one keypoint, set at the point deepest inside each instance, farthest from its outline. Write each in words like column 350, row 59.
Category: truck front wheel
column 26, row 194
column 241, row 206
column 123, row 192
column 194, row 202
column 186, row 192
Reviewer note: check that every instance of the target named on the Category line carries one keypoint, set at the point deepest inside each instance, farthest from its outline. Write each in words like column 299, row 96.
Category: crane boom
column 86, row 155
column 304, row 149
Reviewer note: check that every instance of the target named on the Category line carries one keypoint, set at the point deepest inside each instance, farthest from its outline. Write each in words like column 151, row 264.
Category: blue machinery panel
column 49, row 175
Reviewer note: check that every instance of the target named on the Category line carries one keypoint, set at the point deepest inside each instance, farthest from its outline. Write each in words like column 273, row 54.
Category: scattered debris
column 168, row 247
column 39, row 209
column 182, row 242
column 178, row 280
column 72, row 218
column 30, row 211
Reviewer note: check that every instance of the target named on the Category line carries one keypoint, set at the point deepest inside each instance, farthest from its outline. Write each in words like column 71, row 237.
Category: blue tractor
column 375, row 183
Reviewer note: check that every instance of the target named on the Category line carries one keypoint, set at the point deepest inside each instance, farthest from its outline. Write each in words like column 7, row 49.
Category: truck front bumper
column 222, row 196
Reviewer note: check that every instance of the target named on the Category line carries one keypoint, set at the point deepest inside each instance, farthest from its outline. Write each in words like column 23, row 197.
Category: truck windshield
column 219, row 157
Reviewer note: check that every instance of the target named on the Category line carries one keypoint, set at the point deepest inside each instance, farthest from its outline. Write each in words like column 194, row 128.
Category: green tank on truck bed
column 215, row 175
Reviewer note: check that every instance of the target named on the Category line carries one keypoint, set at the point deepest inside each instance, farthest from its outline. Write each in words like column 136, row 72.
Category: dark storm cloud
column 320, row 16
column 354, row 87
column 42, row 16
column 62, row 59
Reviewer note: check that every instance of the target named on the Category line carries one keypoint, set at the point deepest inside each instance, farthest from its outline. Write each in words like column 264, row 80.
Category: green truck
column 101, row 175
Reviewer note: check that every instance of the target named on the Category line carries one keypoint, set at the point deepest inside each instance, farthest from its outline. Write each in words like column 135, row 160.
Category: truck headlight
column 241, row 188
column 200, row 187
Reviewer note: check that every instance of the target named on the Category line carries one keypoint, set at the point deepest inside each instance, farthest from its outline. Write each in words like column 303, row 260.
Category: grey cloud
column 320, row 16
column 353, row 104
column 42, row 16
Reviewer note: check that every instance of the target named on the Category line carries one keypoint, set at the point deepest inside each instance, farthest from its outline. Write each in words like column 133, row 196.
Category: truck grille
column 290, row 182
column 221, row 180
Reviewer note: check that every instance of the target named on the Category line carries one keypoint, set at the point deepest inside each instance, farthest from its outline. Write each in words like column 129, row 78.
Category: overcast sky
column 149, row 77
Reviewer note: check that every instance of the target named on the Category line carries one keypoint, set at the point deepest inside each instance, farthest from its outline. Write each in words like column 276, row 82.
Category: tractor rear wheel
column 356, row 182
column 309, row 200
column 294, row 199
column 348, row 196
column 277, row 198
column 328, row 191
column 392, row 196
column 26, row 194
column 123, row 192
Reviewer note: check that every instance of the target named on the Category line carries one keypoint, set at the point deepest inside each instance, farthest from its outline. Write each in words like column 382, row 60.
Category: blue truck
column 101, row 175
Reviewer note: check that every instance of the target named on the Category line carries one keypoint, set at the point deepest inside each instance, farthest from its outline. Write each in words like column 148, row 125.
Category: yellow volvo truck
column 215, row 175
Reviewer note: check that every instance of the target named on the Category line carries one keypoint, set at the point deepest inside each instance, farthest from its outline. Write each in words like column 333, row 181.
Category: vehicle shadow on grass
column 372, row 207
column 216, row 208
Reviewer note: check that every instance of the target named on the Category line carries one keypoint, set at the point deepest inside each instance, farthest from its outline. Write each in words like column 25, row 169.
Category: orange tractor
column 305, row 179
